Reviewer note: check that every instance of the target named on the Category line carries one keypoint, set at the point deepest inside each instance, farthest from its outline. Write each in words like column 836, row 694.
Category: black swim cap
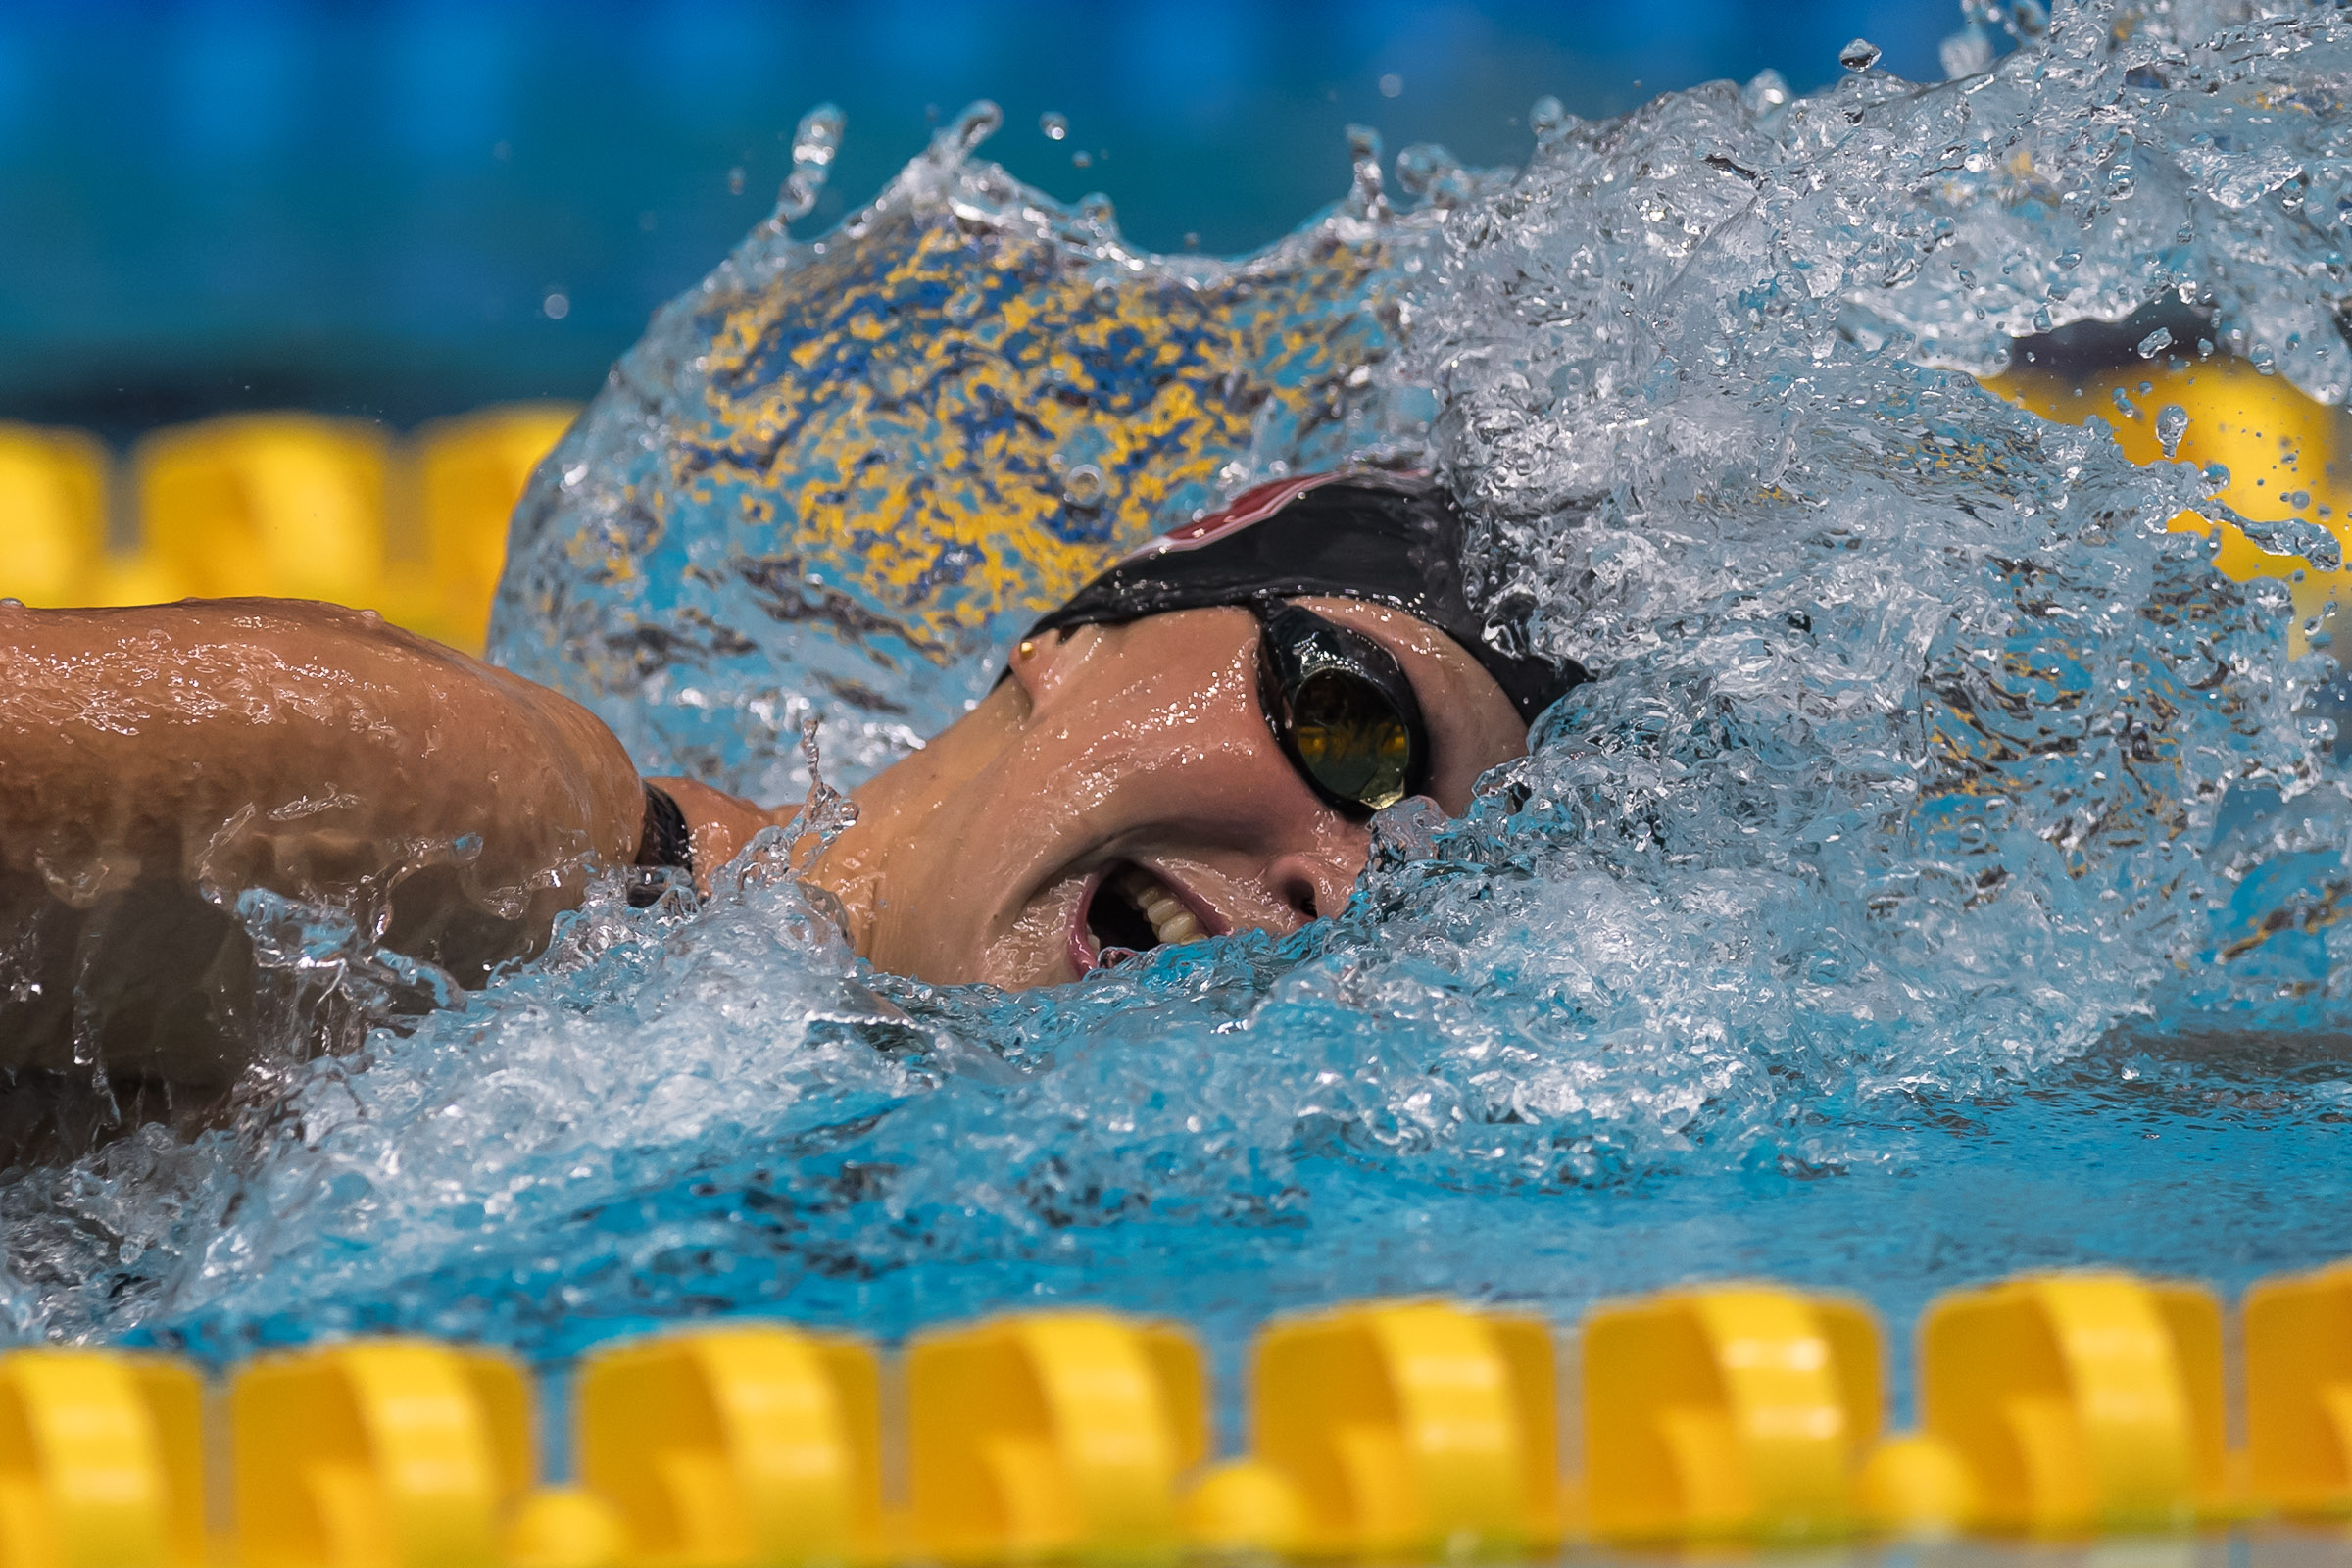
column 1392, row 538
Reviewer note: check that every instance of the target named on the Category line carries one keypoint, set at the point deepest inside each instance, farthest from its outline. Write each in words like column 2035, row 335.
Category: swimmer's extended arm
column 315, row 752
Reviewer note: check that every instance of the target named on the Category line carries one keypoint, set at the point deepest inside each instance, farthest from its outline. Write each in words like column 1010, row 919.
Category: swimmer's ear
column 1046, row 665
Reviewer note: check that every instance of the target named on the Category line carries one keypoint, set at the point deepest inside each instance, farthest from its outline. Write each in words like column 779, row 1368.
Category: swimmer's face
column 1124, row 789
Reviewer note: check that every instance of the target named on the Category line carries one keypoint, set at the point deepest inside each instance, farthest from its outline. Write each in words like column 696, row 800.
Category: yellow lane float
column 2298, row 1335
column 311, row 507
column 53, row 491
column 747, row 1444
column 291, row 505
column 2284, row 452
column 2057, row 1406
column 1736, row 1412
column 1396, row 1431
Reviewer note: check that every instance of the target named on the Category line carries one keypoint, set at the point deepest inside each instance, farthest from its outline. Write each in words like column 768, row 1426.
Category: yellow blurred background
column 415, row 527
column 2287, row 456
column 296, row 504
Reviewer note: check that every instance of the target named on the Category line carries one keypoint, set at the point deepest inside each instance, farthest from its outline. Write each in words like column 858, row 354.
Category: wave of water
column 1878, row 917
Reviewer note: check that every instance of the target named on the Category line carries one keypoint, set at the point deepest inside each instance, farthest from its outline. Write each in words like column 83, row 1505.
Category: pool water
column 1938, row 879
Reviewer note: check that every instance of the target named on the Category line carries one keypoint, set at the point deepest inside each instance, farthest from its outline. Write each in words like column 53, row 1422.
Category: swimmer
column 1194, row 745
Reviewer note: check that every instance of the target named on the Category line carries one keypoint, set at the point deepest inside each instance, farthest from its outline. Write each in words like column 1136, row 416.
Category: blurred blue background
column 412, row 207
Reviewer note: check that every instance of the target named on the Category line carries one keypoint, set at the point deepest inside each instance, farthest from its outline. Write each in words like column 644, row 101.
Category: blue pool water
column 1862, row 923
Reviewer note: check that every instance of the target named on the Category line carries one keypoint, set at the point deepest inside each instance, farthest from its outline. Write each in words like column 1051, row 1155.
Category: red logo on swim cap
column 1254, row 505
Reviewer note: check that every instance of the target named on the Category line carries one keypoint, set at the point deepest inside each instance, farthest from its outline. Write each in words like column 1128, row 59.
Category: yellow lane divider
column 53, row 492
column 1399, row 1431
column 2298, row 1335
column 1052, row 1436
column 1734, row 1413
column 2078, row 1404
column 292, row 505
column 101, row 1461
column 743, row 1444
column 2286, row 456
column 2054, row 1407
column 293, row 500
column 383, row 1454
column 313, row 506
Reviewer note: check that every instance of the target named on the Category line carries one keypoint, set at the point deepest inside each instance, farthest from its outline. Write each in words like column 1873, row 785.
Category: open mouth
column 1129, row 911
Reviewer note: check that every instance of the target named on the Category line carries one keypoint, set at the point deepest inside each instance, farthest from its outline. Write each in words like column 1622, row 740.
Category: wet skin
column 1144, row 746
column 150, row 757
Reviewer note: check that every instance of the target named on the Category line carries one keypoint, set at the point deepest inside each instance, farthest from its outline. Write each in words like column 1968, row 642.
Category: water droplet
column 1966, row 53
column 556, row 306
column 813, row 143
column 1766, row 93
column 1427, row 171
column 2155, row 342
column 978, row 121
column 735, row 178
column 1082, row 486
column 1548, row 119
column 1082, row 159
column 1055, row 126
column 1391, row 86
column 1859, row 55
column 1369, row 198
column 1415, row 167
column 2172, row 423
column 11, row 604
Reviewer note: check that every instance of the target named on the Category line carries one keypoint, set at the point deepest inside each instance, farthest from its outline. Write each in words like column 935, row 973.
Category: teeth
column 1175, row 928
column 1171, row 921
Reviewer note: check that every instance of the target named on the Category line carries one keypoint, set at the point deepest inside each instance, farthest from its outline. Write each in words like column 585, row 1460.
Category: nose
column 1317, row 882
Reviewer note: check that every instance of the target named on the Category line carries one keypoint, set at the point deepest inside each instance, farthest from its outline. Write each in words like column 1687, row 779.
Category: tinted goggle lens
column 1352, row 743
column 1342, row 708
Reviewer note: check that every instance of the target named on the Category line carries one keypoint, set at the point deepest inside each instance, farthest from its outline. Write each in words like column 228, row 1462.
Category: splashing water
column 1938, row 879
column 813, row 143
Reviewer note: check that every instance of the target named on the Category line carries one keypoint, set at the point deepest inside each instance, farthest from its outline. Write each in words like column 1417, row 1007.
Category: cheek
column 1459, row 780
column 1036, row 950
column 1151, row 739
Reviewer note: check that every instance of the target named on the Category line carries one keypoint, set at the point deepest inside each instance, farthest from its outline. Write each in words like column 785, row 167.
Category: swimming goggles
column 1342, row 708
